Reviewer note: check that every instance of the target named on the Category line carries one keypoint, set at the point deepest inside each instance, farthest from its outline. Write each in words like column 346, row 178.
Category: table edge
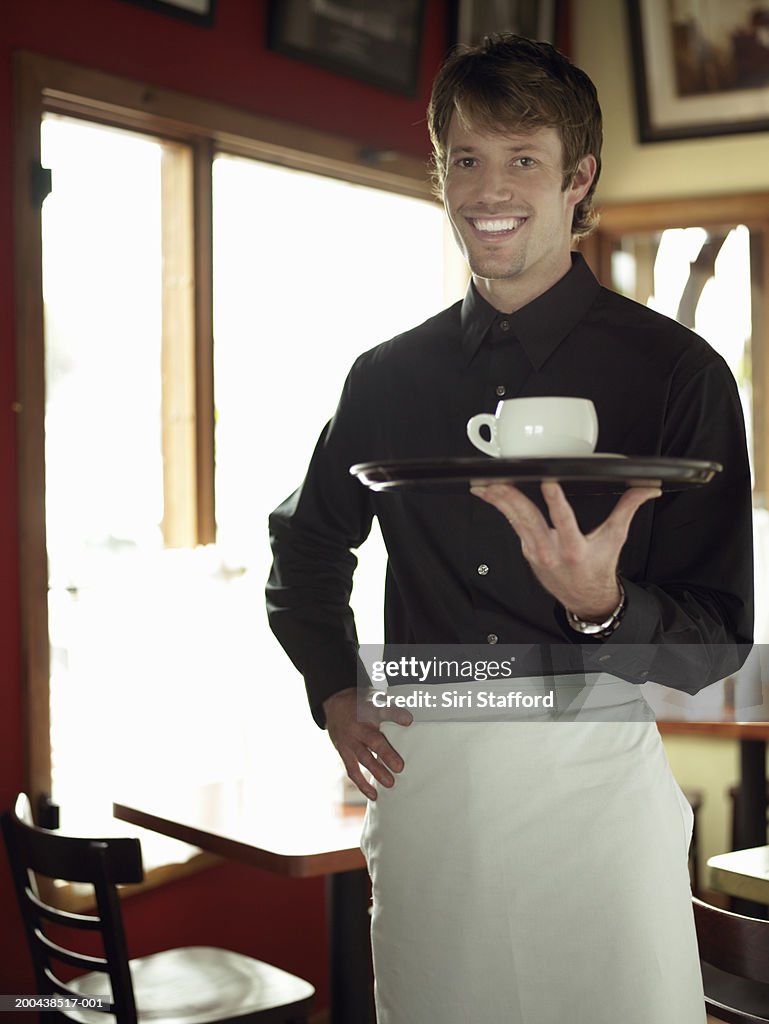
column 290, row 865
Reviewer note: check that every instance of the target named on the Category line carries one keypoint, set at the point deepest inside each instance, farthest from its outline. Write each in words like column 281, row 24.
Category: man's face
column 510, row 216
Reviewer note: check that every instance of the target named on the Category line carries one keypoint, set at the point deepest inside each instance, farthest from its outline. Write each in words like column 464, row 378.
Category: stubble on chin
column 493, row 269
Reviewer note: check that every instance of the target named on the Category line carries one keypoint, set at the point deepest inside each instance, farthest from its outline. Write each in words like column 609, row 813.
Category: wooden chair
column 199, row 984
column 734, row 952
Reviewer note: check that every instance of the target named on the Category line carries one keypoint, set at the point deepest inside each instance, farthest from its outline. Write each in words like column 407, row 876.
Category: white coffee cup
column 537, row 426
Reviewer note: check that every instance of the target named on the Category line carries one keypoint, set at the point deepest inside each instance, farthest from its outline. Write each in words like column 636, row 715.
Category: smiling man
column 509, row 211
column 525, row 872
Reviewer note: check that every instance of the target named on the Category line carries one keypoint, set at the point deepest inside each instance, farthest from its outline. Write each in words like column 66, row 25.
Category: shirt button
column 500, row 389
column 483, row 569
column 504, row 325
column 492, row 638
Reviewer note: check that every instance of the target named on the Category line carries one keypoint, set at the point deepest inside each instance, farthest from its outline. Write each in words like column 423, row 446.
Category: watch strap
column 599, row 629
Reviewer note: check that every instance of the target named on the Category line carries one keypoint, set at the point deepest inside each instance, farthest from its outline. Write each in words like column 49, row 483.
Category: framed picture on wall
column 200, row 12
column 376, row 41
column 471, row 20
column 700, row 69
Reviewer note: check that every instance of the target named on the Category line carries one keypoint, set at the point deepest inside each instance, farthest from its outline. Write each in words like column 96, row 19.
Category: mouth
column 496, row 227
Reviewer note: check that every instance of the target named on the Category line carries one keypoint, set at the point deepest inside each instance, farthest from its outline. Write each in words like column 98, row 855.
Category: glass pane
column 701, row 278
column 308, row 273
column 102, row 293
column 108, row 598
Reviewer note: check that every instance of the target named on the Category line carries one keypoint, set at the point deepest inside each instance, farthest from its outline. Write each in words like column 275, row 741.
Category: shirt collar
column 541, row 325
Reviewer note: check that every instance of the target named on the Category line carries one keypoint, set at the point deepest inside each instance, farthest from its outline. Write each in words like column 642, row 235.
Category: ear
column 582, row 178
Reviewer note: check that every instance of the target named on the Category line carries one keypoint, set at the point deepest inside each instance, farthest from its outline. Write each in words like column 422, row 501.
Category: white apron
column 534, row 872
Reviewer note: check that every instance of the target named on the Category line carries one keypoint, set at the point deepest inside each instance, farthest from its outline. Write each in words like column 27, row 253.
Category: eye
column 526, row 161
column 465, row 161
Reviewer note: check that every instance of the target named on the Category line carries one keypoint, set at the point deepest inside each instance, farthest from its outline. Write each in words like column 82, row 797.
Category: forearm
column 320, row 643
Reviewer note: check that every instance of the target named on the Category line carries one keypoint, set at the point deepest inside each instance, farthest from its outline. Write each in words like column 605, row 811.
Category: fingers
column 618, row 522
column 538, row 542
column 357, row 777
column 401, row 716
column 508, row 500
column 532, row 527
column 522, row 514
column 578, row 569
column 373, row 752
column 561, row 513
column 353, row 725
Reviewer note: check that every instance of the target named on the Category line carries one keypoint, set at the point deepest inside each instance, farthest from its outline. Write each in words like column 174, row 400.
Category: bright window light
column 163, row 669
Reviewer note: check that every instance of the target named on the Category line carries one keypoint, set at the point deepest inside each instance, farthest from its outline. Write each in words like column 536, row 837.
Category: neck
column 513, row 293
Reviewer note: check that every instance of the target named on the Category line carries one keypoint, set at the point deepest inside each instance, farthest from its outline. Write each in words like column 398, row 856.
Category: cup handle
column 474, row 424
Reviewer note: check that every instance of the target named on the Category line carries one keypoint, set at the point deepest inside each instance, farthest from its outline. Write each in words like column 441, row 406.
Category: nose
column 495, row 184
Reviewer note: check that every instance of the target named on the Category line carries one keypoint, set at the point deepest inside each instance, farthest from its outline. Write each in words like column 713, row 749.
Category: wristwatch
column 599, row 629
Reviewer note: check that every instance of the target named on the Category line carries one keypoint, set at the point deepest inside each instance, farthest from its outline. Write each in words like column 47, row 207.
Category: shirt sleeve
column 689, row 620
column 312, row 534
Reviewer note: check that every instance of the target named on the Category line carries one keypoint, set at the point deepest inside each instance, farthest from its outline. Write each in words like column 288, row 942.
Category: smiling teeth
column 497, row 225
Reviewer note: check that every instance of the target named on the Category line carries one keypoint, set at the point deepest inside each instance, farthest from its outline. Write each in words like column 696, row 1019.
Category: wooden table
column 239, row 821
column 743, row 874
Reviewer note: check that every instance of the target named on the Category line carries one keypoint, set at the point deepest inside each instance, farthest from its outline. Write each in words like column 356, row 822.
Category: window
column 701, row 277
column 196, row 332
column 705, row 262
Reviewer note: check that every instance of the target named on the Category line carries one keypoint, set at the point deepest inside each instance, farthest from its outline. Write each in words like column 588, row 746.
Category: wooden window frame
column 750, row 209
column 203, row 129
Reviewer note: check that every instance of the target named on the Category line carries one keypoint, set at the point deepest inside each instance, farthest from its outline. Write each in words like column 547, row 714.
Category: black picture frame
column 197, row 12
column 374, row 41
column 471, row 20
column 689, row 84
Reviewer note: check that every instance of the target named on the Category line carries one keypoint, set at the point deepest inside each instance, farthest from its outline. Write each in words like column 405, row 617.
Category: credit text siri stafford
column 462, row 699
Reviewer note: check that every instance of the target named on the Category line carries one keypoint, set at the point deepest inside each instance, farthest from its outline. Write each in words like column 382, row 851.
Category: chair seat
column 200, row 984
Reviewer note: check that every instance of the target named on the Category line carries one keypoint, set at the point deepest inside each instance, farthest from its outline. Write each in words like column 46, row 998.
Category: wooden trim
column 178, row 348
column 759, row 361
column 123, row 102
column 658, row 214
column 717, row 730
column 203, row 156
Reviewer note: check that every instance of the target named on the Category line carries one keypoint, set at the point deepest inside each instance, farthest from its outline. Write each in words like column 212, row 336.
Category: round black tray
column 606, row 472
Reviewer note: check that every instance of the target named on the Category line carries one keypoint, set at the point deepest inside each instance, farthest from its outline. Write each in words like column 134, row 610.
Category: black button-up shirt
column 455, row 571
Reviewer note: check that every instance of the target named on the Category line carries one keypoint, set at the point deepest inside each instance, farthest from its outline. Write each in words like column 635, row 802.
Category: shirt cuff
column 628, row 653
column 330, row 672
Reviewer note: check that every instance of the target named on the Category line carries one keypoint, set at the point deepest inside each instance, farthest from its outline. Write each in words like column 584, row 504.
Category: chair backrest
column 736, row 948
column 53, row 935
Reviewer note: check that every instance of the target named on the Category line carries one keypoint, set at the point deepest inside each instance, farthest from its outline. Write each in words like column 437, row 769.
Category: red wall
column 232, row 905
